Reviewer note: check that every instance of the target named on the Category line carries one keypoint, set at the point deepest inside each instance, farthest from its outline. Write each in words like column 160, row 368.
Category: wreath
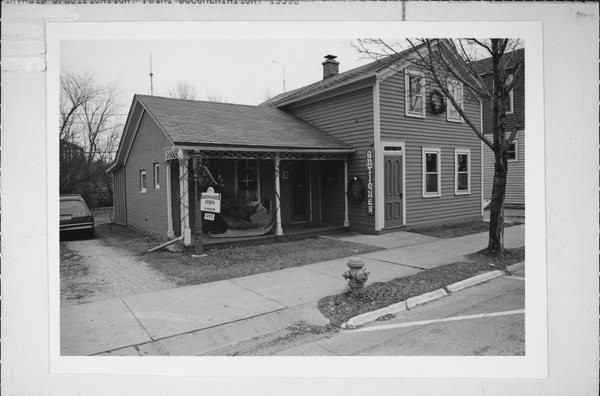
column 356, row 189
column 437, row 104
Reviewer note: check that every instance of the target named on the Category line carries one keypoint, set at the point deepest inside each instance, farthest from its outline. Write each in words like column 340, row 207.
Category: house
column 515, row 118
column 361, row 149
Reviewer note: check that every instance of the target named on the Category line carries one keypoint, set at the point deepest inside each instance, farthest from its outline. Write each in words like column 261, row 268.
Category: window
column 456, row 90
column 156, row 175
column 142, row 181
column 512, row 152
column 510, row 108
column 462, row 171
column 431, row 172
column 247, row 179
column 414, row 94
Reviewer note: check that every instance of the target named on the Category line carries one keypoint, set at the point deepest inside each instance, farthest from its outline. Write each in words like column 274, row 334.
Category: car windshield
column 71, row 206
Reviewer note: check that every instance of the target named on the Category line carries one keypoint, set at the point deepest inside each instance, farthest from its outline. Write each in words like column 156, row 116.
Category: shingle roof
column 222, row 124
column 354, row 74
column 510, row 59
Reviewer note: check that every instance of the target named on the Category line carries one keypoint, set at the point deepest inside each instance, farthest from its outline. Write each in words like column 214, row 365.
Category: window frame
column 407, row 112
column 516, row 159
column 455, row 82
column 258, row 181
column 424, row 173
column 156, row 178
column 143, row 181
column 457, row 152
column 510, row 95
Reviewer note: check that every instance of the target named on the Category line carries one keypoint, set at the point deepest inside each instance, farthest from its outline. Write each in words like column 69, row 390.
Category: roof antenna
column 151, row 75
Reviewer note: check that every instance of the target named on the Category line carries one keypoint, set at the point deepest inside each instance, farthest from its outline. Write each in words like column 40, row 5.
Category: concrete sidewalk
column 196, row 319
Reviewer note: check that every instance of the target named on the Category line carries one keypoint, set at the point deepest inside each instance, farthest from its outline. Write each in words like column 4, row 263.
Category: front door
column 300, row 191
column 393, row 190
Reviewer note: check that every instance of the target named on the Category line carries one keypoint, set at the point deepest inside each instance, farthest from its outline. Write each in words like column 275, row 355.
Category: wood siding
column 119, row 197
column 147, row 211
column 348, row 117
column 432, row 132
column 515, row 181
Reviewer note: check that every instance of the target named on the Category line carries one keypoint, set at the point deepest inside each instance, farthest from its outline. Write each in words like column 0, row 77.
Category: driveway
column 91, row 271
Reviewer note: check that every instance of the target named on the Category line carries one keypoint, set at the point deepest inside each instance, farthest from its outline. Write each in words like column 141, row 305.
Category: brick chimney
column 330, row 66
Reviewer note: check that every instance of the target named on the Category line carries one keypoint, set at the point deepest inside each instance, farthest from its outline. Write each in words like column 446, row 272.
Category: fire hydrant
column 357, row 275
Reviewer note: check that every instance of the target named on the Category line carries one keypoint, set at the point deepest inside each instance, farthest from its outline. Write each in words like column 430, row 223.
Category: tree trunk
column 496, row 234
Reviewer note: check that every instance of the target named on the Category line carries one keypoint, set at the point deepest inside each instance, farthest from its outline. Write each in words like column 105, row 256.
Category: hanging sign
column 209, row 216
column 370, row 190
column 210, row 201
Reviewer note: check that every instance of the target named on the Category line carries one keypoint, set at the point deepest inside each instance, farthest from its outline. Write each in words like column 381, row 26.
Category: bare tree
column 446, row 62
column 89, row 120
column 75, row 90
column 216, row 97
column 183, row 90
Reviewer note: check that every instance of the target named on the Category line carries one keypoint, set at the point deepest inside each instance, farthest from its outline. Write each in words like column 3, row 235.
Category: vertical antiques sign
column 370, row 191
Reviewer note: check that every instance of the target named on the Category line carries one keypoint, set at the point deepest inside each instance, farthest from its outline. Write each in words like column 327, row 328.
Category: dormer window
column 414, row 83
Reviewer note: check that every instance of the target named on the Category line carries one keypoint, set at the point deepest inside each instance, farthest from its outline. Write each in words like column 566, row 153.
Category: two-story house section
column 515, row 118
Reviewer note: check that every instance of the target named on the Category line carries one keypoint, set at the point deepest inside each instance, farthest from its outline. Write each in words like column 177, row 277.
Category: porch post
column 278, row 229
column 346, row 222
column 170, row 232
column 198, row 244
column 184, row 199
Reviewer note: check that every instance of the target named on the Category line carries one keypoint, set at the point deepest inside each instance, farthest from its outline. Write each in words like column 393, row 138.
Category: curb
column 368, row 317
column 516, row 267
column 475, row 280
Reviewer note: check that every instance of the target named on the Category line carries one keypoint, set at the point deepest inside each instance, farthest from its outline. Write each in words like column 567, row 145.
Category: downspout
column 379, row 201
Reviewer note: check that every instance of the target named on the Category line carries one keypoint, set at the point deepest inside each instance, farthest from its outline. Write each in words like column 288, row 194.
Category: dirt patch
column 76, row 284
column 341, row 307
column 456, row 230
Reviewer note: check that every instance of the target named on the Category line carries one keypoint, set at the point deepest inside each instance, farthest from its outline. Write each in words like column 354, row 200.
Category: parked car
column 75, row 214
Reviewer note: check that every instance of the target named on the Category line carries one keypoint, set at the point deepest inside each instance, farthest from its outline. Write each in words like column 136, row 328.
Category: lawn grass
column 341, row 307
column 456, row 230
column 233, row 262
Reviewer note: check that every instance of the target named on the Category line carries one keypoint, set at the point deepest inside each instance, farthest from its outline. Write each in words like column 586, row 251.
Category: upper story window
column 455, row 88
column 510, row 108
column 142, row 181
column 156, row 175
column 414, row 93
column 432, row 172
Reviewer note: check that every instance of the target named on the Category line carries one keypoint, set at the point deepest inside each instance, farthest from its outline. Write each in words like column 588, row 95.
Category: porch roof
column 223, row 125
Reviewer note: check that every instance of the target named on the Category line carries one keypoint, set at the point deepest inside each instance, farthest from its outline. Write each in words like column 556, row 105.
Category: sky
column 240, row 71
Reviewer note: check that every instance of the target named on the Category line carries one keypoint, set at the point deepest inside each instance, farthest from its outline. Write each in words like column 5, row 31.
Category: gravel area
column 105, row 272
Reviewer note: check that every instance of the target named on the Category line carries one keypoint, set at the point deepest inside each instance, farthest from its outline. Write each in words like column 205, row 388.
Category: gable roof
column 225, row 125
column 192, row 122
column 356, row 74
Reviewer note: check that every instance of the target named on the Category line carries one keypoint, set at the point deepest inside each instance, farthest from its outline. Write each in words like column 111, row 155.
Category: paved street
column 487, row 319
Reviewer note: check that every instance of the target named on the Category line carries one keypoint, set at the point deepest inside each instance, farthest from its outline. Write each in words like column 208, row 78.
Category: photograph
column 306, row 197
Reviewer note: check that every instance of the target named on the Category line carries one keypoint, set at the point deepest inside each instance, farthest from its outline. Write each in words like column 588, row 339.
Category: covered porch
column 303, row 191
